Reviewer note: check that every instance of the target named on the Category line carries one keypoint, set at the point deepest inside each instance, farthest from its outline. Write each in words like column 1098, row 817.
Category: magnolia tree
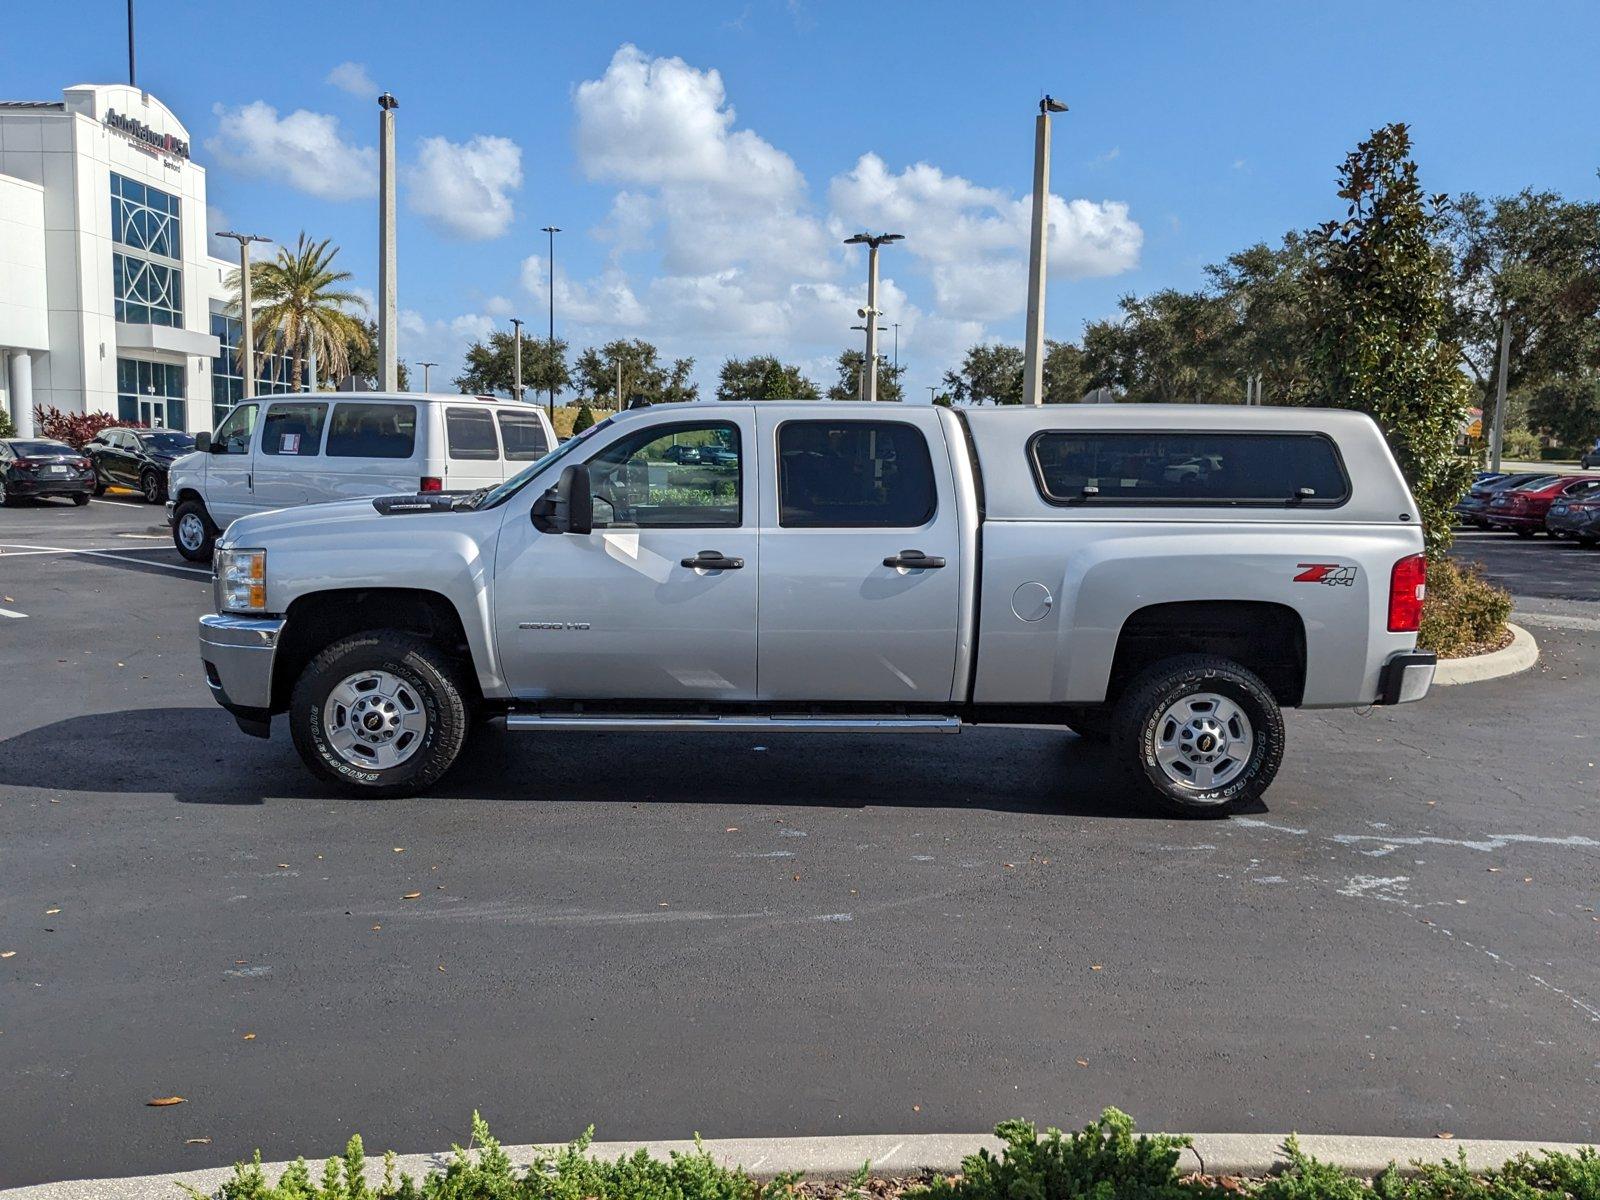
column 1381, row 316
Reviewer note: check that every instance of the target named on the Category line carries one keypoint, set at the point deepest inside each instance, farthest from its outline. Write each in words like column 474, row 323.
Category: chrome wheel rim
column 374, row 720
column 152, row 488
column 1203, row 741
column 191, row 531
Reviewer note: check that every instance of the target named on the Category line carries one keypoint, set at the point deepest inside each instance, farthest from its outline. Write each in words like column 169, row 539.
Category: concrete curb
column 910, row 1154
column 1519, row 656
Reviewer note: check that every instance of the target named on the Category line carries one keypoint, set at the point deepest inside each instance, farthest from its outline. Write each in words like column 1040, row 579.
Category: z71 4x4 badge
column 1332, row 574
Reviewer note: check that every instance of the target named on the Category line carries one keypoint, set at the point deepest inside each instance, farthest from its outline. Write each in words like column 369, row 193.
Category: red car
column 1523, row 509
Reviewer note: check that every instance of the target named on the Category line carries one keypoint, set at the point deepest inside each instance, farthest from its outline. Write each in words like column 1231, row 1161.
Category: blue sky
column 704, row 159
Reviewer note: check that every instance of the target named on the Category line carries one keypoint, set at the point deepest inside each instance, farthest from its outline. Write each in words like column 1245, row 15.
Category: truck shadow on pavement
column 198, row 756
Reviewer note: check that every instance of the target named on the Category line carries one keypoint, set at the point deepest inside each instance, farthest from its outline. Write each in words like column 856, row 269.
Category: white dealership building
column 109, row 299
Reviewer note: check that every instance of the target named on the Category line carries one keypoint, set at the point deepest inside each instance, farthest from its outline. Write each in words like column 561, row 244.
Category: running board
column 754, row 723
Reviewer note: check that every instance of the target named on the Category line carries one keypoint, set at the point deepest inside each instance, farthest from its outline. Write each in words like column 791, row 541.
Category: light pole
column 1498, row 429
column 870, row 313
column 897, row 347
column 516, row 359
column 933, row 393
column 247, row 337
column 1033, row 351
column 388, row 311
column 425, row 366
column 552, row 230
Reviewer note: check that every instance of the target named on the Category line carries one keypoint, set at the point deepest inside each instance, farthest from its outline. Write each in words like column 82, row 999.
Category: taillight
column 431, row 483
column 27, row 464
column 84, row 464
column 1407, row 584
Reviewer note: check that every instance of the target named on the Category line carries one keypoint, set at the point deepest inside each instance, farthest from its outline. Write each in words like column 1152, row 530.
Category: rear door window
column 469, row 433
column 367, row 430
column 293, row 430
column 1073, row 467
column 854, row 475
column 523, row 434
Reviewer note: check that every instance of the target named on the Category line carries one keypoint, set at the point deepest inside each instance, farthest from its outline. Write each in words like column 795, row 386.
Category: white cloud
column 440, row 340
column 352, row 77
column 304, row 149
column 464, row 190
column 974, row 240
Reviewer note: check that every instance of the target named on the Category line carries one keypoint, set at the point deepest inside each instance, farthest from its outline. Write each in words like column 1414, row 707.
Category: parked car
column 43, row 467
column 1473, row 508
column 1591, row 456
column 1522, row 509
column 137, row 458
column 854, row 568
column 286, row 451
column 1576, row 514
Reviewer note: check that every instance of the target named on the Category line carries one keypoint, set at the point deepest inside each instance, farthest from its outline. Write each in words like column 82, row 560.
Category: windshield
column 167, row 443
column 1537, row 483
column 23, row 449
column 508, row 489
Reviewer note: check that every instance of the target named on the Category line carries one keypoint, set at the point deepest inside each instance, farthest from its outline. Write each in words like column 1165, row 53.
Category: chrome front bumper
column 238, row 653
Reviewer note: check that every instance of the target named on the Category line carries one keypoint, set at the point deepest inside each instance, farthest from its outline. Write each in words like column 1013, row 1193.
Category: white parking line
column 22, row 550
column 16, row 616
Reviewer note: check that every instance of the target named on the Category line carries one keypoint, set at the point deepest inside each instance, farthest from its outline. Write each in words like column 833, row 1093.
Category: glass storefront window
column 151, row 393
column 145, row 218
column 147, row 293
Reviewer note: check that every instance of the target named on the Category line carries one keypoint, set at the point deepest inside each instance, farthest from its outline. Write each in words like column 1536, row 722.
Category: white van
column 307, row 448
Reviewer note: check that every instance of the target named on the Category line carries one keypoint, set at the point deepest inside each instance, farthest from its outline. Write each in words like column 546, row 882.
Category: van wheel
column 1200, row 735
column 192, row 531
column 379, row 714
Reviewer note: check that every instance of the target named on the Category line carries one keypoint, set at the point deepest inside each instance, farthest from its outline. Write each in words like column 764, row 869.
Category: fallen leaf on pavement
column 249, row 1037
column 1444, row 1136
column 797, row 879
column 441, row 966
column 375, row 928
column 399, row 849
column 1492, row 870
column 410, row 895
column 1083, row 1062
column 916, row 1108
column 283, row 866
column 731, row 829
column 13, row 953
column 1096, row 967
column 197, row 1141
column 164, row 1102
column 50, row 912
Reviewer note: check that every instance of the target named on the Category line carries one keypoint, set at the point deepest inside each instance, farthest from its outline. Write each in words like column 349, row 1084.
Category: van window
column 470, row 433
column 854, row 474
column 524, row 437
column 233, row 435
column 1071, row 467
column 293, row 430
column 372, row 431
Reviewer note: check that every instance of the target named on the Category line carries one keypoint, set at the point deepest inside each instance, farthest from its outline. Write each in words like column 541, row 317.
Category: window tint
column 293, row 430
column 1188, row 468
column 372, row 431
column 650, row 481
column 523, row 436
column 853, row 474
column 167, row 443
column 470, row 432
column 233, row 435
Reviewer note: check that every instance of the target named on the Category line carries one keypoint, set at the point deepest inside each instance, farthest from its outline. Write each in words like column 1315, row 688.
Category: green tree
column 1534, row 257
column 1380, row 298
column 362, row 357
column 490, row 366
column 763, row 378
column 584, row 419
column 644, row 377
column 849, row 386
column 1066, row 378
column 989, row 373
column 1568, row 407
column 1263, row 292
column 301, row 309
column 1169, row 347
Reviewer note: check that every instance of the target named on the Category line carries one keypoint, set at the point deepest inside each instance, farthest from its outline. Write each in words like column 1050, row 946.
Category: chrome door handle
column 712, row 560
column 914, row 560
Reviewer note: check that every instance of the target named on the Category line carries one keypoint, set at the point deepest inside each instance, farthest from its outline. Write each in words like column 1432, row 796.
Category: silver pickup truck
column 1161, row 578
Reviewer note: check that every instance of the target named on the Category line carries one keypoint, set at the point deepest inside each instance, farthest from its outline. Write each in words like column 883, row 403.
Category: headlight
column 242, row 580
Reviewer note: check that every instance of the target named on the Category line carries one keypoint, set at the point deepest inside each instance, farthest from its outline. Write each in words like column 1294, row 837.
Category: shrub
column 1462, row 609
column 584, row 419
column 7, row 429
column 75, row 429
column 1521, row 445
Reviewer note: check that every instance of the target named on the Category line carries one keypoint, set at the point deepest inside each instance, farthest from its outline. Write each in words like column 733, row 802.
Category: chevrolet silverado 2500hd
column 1163, row 578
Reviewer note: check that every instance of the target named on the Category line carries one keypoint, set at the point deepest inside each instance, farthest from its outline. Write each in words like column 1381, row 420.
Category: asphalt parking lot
column 737, row 937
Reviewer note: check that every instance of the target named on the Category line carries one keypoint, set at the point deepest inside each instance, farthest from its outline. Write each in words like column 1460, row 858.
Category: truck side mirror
column 202, row 443
column 568, row 507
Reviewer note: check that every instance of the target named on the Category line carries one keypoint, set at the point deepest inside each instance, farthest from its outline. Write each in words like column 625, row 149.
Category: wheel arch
column 1264, row 637
column 316, row 620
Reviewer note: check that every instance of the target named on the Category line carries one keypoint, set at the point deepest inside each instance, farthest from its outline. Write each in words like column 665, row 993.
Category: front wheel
column 153, row 489
column 1200, row 735
column 380, row 714
column 192, row 531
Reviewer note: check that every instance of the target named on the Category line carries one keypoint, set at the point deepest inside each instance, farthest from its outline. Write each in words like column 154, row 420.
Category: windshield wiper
column 470, row 502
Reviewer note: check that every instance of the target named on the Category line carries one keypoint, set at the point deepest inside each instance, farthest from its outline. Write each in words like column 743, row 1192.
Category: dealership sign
column 147, row 138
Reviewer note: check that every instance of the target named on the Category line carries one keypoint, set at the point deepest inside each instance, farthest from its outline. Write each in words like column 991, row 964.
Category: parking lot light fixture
column 247, row 339
column 870, row 314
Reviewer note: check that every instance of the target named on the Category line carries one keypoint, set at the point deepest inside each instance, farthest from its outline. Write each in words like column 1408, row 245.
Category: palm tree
column 300, row 311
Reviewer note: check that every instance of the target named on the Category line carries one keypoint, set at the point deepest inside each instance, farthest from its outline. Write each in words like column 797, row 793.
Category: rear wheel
column 99, row 482
column 80, row 498
column 1200, row 735
column 380, row 714
column 192, row 531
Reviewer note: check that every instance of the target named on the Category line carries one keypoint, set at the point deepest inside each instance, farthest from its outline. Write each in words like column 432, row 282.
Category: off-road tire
column 425, row 668
column 1091, row 722
column 203, row 552
column 1135, row 731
